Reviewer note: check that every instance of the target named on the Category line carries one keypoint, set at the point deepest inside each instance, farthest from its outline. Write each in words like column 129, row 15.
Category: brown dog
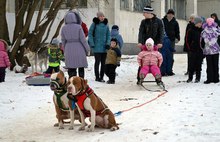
column 63, row 105
column 90, row 105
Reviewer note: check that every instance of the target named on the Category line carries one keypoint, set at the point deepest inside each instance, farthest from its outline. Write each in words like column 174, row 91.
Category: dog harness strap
column 81, row 98
column 59, row 102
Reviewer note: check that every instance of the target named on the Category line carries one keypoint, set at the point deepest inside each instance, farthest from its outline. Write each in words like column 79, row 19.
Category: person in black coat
column 150, row 27
column 185, row 49
column 215, row 17
column 194, row 50
column 172, row 29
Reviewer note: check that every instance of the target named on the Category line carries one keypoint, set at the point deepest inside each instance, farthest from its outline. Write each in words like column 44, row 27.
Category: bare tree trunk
column 4, row 34
column 19, row 21
column 39, row 15
column 25, row 29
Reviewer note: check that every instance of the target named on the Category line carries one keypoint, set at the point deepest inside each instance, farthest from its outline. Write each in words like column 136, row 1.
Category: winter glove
column 88, row 53
column 118, row 64
column 107, row 46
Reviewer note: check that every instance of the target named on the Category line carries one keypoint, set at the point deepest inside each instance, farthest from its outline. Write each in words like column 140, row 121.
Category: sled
column 37, row 79
column 161, row 86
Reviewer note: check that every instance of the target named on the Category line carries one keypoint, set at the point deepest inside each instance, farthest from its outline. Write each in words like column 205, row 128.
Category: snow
column 188, row 112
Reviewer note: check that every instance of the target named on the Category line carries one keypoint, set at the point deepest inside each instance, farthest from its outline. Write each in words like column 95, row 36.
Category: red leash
column 120, row 112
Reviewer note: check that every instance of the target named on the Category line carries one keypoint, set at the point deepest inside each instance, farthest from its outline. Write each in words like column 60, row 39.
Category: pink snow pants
column 154, row 69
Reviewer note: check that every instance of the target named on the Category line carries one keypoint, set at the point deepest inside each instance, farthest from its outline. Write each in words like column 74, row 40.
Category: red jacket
column 4, row 59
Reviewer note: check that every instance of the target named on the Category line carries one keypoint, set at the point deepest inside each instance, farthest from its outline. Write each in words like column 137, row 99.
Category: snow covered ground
column 188, row 112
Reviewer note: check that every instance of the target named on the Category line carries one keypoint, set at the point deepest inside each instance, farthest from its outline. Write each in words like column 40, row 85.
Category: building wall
column 206, row 7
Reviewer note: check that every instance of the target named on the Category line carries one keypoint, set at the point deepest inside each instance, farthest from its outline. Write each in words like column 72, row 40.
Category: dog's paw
column 71, row 128
column 114, row 128
column 61, row 127
column 81, row 128
column 56, row 125
column 91, row 129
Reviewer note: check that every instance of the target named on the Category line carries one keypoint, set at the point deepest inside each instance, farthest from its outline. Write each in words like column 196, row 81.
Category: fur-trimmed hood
column 97, row 21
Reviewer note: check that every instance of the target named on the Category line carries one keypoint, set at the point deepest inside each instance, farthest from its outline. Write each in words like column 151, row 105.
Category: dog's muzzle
column 54, row 85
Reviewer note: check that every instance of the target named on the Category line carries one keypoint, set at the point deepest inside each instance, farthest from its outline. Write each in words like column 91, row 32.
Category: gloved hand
column 88, row 53
column 107, row 46
column 118, row 64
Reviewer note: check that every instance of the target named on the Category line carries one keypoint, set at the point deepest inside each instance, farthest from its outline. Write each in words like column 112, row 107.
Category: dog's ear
column 61, row 72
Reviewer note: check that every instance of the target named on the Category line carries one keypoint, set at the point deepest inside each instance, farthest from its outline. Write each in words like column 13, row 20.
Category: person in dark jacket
column 185, row 49
column 195, row 50
column 150, row 27
column 115, row 34
column 166, row 51
column 215, row 17
column 172, row 29
column 99, row 41
column 112, row 61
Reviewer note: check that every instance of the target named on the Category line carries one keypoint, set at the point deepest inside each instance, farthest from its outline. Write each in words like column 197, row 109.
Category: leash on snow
column 120, row 112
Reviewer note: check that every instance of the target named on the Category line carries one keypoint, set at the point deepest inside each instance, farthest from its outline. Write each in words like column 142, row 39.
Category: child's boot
column 158, row 79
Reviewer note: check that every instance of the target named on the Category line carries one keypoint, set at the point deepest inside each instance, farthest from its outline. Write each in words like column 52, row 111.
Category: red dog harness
column 80, row 98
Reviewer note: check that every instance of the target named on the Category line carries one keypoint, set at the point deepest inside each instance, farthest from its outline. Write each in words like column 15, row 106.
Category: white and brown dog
column 90, row 105
column 63, row 105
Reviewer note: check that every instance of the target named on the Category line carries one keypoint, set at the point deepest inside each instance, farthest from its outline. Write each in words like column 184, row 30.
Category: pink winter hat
column 150, row 40
column 210, row 21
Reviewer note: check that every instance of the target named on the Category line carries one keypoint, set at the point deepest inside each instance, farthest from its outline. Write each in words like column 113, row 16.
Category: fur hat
column 210, row 21
column 171, row 11
column 55, row 41
column 115, row 27
column 197, row 20
column 99, row 14
column 150, row 40
column 148, row 9
column 115, row 40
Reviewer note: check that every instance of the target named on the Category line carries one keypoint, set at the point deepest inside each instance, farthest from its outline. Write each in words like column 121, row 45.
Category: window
column 179, row 6
column 140, row 4
column 124, row 4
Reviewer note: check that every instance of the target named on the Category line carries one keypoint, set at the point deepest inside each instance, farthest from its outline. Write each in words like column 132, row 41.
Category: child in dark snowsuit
column 166, row 51
column 112, row 61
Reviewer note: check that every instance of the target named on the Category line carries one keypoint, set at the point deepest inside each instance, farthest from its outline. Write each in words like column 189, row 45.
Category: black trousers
column 110, row 71
column 212, row 68
column 99, row 58
column 73, row 72
column 195, row 64
column 50, row 69
column 2, row 74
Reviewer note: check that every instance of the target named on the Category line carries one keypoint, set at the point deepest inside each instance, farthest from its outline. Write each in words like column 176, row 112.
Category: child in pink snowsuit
column 4, row 60
column 150, row 60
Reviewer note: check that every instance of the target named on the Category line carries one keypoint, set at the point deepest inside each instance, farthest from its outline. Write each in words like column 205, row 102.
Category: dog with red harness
column 63, row 105
column 90, row 105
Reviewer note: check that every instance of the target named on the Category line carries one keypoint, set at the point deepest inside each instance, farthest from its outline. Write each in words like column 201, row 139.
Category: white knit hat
column 150, row 40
